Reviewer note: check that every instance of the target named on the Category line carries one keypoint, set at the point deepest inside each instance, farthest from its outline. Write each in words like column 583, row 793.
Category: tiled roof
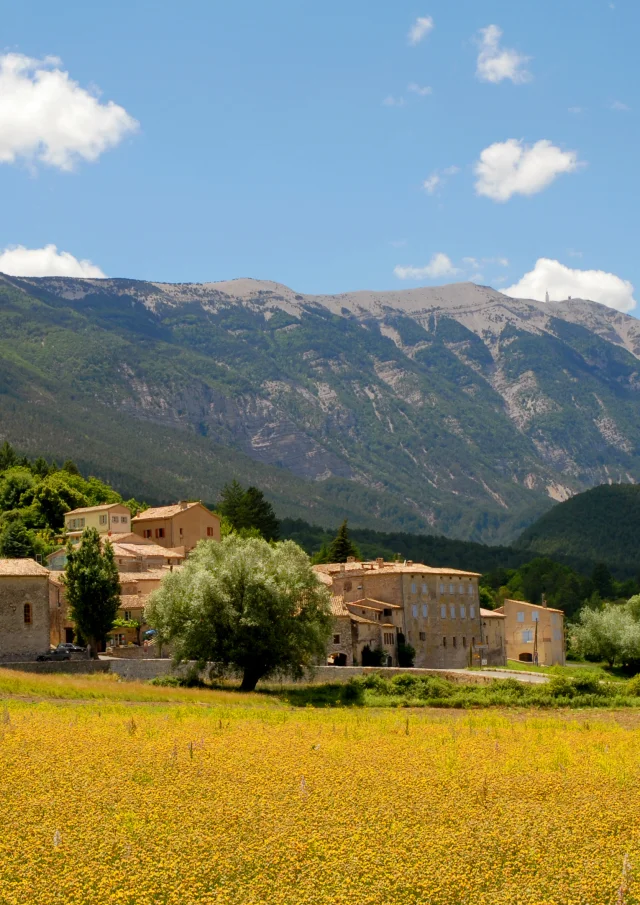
column 535, row 606
column 143, row 551
column 492, row 613
column 101, row 508
column 324, row 578
column 377, row 604
column 337, row 607
column 355, row 618
column 160, row 512
column 148, row 575
column 133, row 601
column 14, row 567
column 354, row 569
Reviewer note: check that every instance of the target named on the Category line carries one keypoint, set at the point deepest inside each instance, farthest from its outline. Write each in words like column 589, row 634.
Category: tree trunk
column 92, row 647
column 250, row 678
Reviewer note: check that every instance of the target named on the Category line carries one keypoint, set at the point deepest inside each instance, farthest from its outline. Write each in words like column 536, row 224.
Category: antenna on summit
column 546, row 296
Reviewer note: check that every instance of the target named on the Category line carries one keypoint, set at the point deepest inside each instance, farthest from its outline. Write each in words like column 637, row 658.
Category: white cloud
column 619, row 107
column 421, row 90
column 561, row 282
column 45, row 116
column 450, row 171
column 576, row 110
column 513, row 168
column 19, row 261
column 496, row 63
column 440, row 265
column 420, row 29
column 391, row 101
column 476, row 263
column 431, row 183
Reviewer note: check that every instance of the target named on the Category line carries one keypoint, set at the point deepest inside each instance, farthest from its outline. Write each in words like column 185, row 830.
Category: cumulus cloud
column 496, row 63
column 45, row 116
column 420, row 29
column 438, row 178
column 561, row 282
column 512, row 168
column 19, row 261
column 440, row 265
column 421, row 90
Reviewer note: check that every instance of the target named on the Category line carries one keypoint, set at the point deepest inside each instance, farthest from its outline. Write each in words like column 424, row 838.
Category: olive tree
column 244, row 605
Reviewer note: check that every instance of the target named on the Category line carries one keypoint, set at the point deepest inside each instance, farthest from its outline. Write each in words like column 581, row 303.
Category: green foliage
column 16, row 542
column 342, row 547
column 92, row 588
column 611, row 633
column 406, row 653
column 248, row 510
column 373, row 656
column 244, row 605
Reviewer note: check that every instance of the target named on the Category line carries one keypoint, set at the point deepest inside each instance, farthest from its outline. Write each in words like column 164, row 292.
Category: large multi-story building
column 109, row 518
column 533, row 634
column 180, row 526
column 435, row 610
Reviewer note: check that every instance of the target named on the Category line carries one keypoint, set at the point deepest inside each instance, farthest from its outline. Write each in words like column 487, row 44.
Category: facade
column 111, row 518
column 132, row 554
column 494, row 652
column 436, row 610
column 135, row 589
column 179, row 527
column 533, row 634
column 24, row 609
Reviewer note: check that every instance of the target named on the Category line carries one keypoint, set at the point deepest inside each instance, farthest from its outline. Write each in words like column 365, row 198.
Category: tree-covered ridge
column 394, row 421
column 36, row 494
column 601, row 524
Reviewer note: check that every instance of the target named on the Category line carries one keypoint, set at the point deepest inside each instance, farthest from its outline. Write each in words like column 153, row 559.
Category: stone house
column 534, row 634
column 109, row 518
column 24, row 609
column 136, row 588
column 179, row 527
column 493, row 652
column 132, row 554
column 436, row 610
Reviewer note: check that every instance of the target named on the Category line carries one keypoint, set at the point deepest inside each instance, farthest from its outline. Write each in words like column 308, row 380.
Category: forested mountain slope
column 602, row 524
column 454, row 410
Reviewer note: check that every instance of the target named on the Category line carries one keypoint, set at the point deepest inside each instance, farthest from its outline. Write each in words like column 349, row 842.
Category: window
column 127, row 614
column 347, row 585
column 520, row 617
column 451, row 588
column 455, row 641
column 386, row 613
column 463, row 612
column 527, row 636
column 180, row 532
column 123, row 519
column 389, row 638
column 114, row 519
column 424, row 610
column 423, row 636
column 557, row 634
column 555, row 618
column 424, row 587
column 209, row 532
column 472, row 612
column 103, row 519
column 461, row 589
column 414, row 587
column 146, row 532
column 470, row 589
column 444, row 642
column 336, row 639
column 442, row 587
column 464, row 642
column 535, row 617
column 452, row 611
column 443, row 612
column 159, row 532
column 414, row 612
column 27, row 614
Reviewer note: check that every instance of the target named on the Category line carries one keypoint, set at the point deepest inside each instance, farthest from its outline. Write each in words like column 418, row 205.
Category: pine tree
column 8, row 456
column 16, row 542
column 231, row 504
column 93, row 588
column 258, row 513
column 341, row 546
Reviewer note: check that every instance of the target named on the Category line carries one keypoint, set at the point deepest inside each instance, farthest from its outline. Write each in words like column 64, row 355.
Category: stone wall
column 74, row 667
column 20, row 639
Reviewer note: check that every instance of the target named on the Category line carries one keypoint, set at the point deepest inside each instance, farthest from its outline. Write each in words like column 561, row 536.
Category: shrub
column 632, row 687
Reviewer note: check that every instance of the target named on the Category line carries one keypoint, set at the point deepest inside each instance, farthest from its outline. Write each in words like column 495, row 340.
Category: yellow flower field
column 243, row 801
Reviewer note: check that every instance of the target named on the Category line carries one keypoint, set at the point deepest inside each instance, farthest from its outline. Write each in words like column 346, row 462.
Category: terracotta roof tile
column 15, row 567
column 133, row 601
column 101, row 508
column 160, row 512
column 491, row 613
column 535, row 606
column 337, row 607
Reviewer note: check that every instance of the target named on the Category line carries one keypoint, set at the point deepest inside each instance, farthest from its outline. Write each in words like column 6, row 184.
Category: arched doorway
column 526, row 658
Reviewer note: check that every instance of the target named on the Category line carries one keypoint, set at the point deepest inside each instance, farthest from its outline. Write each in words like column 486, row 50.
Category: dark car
column 55, row 654
column 72, row 648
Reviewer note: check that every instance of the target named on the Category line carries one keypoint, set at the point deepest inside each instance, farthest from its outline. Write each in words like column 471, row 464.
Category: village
column 387, row 614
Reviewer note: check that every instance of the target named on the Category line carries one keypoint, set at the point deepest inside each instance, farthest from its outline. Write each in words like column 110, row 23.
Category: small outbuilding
column 24, row 609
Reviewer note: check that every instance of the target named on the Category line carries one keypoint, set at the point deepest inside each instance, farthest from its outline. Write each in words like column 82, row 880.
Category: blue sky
column 282, row 141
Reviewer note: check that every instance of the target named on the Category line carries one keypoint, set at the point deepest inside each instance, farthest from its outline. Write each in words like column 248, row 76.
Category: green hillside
column 602, row 524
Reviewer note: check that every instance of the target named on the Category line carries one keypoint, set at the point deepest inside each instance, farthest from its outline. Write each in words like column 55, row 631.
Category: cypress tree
column 341, row 546
column 93, row 588
column 258, row 513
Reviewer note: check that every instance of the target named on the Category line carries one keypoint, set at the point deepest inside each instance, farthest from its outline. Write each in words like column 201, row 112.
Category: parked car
column 72, row 648
column 54, row 654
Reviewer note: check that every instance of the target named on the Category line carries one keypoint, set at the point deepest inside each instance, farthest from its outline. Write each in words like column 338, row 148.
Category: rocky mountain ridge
column 471, row 410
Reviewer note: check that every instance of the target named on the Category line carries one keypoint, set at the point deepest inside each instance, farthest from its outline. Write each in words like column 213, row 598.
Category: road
column 533, row 678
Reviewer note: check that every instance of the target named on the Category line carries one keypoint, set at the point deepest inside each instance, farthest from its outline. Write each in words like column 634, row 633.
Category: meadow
column 213, row 797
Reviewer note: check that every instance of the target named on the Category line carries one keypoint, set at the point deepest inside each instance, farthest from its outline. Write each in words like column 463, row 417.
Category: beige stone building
column 436, row 610
column 110, row 518
column 533, row 634
column 180, row 526
column 135, row 590
column 493, row 650
column 24, row 609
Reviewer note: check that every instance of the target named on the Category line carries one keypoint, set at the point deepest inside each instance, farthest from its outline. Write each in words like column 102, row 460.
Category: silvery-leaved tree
column 244, row 605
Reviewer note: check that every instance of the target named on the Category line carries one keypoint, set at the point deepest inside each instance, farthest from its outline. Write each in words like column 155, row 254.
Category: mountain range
column 452, row 410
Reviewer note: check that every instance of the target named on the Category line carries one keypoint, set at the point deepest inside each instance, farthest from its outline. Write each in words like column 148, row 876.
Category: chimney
column 351, row 559
column 379, row 562
column 544, row 601
column 409, row 562
column 183, row 504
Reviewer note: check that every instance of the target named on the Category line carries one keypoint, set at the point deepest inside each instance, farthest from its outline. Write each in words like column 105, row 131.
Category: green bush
column 632, row 687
